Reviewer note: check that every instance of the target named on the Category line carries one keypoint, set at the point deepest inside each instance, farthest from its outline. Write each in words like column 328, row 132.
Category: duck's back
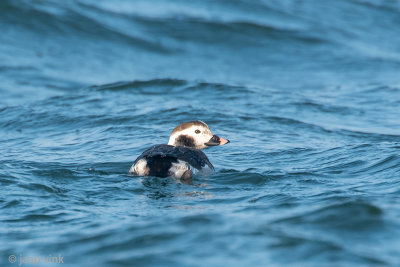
column 175, row 161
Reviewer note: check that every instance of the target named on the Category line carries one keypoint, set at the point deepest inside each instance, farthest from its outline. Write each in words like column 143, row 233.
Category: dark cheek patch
column 184, row 140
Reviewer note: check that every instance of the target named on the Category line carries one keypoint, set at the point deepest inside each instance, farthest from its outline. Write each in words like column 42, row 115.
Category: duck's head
column 195, row 134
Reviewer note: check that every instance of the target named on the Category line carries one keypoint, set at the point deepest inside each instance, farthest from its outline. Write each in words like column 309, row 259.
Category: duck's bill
column 217, row 141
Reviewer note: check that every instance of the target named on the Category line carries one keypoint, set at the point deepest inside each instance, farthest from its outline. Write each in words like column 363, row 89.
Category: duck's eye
column 197, row 131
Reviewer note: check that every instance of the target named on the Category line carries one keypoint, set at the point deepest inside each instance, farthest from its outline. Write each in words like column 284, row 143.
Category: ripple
column 41, row 187
column 239, row 178
column 156, row 86
column 349, row 216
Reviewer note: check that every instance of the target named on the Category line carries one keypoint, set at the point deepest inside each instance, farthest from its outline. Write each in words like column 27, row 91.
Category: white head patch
column 191, row 134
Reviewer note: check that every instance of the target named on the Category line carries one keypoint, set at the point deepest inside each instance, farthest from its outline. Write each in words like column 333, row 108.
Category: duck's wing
column 194, row 157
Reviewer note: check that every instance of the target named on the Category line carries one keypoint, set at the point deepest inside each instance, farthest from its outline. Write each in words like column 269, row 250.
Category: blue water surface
column 308, row 93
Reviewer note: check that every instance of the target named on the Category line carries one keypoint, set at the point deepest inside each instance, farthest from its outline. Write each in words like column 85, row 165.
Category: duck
column 182, row 157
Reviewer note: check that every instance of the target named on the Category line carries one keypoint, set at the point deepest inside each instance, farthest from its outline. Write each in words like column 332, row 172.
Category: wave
column 356, row 215
column 90, row 21
column 58, row 20
column 233, row 177
column 161, row 86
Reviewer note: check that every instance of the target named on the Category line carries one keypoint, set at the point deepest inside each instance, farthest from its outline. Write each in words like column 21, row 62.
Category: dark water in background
column 308, row 92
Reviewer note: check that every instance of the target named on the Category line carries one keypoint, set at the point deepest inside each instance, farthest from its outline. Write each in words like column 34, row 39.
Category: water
column 308, row 93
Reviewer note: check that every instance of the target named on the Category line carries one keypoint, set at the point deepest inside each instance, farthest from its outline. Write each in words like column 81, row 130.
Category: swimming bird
column 182, row 157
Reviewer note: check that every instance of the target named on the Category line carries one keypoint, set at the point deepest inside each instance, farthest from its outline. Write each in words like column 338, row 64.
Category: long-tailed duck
column 182, row 157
